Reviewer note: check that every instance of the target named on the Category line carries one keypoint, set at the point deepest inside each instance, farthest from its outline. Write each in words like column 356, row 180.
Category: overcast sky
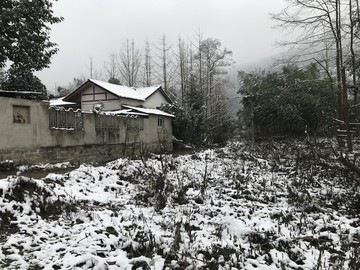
column 96, row 28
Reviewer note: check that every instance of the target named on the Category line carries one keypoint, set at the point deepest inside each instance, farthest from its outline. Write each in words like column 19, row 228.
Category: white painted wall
column 95, row 95
column 155, row 100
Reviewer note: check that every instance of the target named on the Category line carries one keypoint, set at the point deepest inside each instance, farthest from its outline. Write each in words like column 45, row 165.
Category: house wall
column 152, row 138
column 155, row 100
column 27, row 138
column 95, row 95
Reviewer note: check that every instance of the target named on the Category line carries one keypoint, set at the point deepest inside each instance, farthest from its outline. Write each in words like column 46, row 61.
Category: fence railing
column 105, row 121
column 61, row 118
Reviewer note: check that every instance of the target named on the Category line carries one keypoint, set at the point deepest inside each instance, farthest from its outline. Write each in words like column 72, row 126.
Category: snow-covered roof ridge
column 60, row 102
column 119, row 90
column 140, row 93
column 145, row 92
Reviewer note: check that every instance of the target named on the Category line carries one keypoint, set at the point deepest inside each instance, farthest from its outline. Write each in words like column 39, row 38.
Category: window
column 21, row 114
column 160, row 122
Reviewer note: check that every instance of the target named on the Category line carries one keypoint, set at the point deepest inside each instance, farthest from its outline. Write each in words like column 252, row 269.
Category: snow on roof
column 145, row 92
column 125, row 112
column 141, row 93
column 138, row 111
column 119, row 90
column 60, row 102
column 150, row 111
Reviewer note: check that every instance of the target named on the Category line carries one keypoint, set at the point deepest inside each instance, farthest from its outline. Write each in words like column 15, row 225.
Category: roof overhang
column 149, row 111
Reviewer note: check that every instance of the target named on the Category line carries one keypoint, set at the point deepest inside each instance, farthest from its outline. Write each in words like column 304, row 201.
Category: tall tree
column 322, row 21
column 354, row 23
column 111, row 70
column 202, row 82
column 165, row 66
column 213, row 57
column 129, row 61
column 183, row 61
column 147, row 76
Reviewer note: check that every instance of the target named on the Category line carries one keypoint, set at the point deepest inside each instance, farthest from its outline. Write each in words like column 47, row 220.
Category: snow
column 60, row 102
column 127, row 92
column 150, row 111
column 119, row 90
column 145, row 92
column 137, row 111
column 228, row 208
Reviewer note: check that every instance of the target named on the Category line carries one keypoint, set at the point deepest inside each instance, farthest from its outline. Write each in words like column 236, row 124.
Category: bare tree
column 111, row 69
column 322, row 21
column 184, row 68
column 214, row 59
column 91, row 67
column 147, row 77
column 93, row 72
column 129, row 61
column 354, row 24
column 165, row 65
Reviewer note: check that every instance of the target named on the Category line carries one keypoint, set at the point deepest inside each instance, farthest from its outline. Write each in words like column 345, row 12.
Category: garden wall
column 32, row 133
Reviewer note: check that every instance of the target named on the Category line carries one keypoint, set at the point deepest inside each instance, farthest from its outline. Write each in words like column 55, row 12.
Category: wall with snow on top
column 27, row 138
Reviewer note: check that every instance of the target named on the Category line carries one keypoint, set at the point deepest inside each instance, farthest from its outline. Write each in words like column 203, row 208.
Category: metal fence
column 61, row 118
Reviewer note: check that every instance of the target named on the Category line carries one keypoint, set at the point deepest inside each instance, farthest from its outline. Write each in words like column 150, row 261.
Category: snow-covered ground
column 279, row 206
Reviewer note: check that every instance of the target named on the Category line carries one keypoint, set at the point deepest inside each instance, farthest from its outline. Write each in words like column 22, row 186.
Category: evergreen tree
column 24, row 33
column 114, row 81
column 62, row 91
column 25, row 42
column 288, row 102
column 19, row 79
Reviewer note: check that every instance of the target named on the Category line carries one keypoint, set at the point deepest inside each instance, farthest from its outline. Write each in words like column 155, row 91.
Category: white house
column 97, row 122
column 146, row 123
column 113, row 97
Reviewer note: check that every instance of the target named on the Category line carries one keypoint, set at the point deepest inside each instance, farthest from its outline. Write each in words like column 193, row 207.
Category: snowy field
column 275, row 206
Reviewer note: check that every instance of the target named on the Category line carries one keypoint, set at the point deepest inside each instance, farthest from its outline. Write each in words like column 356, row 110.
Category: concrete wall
column 27, row 138
column 34, row 132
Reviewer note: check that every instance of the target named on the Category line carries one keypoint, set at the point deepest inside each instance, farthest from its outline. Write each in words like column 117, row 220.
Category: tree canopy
column 24, row 33
column 287, row 102
column 328, row 32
